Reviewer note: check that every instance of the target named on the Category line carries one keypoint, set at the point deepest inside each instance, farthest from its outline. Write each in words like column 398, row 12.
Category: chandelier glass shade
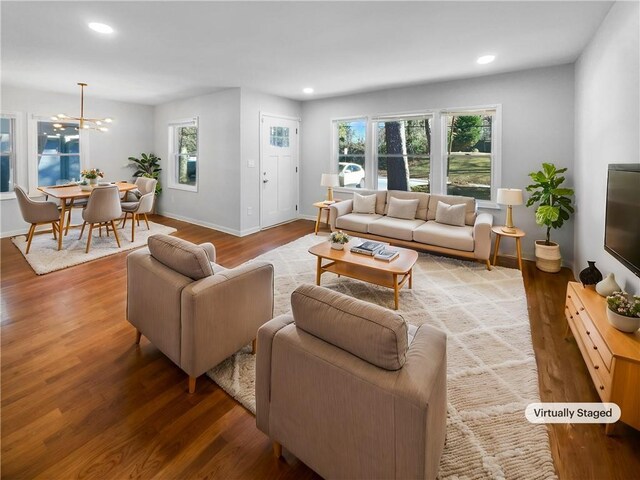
column 84, row 122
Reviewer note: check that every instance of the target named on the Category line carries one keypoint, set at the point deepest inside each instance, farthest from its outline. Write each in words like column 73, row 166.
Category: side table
column 518, row 234
column 321, row 206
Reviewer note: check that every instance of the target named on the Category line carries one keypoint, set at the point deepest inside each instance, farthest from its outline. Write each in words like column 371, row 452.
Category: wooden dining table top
column 74, row 191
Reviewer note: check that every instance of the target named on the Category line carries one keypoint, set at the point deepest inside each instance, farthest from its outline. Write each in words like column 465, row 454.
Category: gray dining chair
column 37, row 213
column 102, row 208
column 139, row 206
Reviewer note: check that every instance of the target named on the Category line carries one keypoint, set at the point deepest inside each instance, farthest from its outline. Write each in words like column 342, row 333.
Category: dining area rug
column 491, row 366
column 44, row 256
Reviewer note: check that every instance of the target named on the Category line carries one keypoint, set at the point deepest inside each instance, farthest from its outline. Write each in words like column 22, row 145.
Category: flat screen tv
column 622, row 224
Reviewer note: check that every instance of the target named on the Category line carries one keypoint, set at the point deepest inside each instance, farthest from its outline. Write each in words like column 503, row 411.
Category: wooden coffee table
column 393, row 274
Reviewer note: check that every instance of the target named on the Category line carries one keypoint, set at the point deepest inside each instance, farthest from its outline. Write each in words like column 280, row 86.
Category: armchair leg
column 133, row 227
column 82, row 230
column 254, row 346
column 192, row 384
column 53, row 229
column 277, row 450
column 32, row 230
column 115, row 233
column 138, row 335
column 89, row 239
column 146, row 220
column 488, row 265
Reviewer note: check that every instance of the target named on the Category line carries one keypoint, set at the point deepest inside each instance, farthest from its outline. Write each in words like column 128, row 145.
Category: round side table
column 321, row 206
column 518, row 234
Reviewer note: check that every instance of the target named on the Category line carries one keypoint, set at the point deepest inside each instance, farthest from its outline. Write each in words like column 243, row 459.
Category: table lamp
column 509, row 197
column 329, row 180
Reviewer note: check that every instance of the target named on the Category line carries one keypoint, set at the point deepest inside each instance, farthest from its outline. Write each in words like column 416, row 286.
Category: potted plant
column 338, row 240
column 148, row 165
column 92, row 175
column 623, row 311
column 553, row 209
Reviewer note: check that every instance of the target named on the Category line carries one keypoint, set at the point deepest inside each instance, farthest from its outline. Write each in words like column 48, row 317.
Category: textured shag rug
column 44, row 256
column 492, row 374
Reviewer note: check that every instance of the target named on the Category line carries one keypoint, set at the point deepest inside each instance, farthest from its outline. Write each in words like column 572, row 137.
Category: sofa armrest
column 482, row 236
column 210, row 250
column 337, row 210
column 222, row 313
column 266, row 334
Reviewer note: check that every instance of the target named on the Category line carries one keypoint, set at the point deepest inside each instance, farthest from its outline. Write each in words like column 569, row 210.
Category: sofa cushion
column 405, row 209
column 364, row 203
column 184, row 257
column 395, row 228
column 451, row 214
column 441, row 235
column 375, row 334
column 423, row 201
column 381, row 201
column 356, row 222
column 470, row 210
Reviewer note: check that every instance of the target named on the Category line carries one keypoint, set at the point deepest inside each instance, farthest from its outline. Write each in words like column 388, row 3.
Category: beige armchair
column 135, row 206
column 350, row 389
column 102, row 208
column 195, row 311
column 37, row 213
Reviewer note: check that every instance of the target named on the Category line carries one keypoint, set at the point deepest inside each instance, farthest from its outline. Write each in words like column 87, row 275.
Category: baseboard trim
column 13, row 233
column 308, row 217
column 213, row 226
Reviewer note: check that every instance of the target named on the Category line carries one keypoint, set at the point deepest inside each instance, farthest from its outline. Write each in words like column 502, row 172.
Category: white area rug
column 44, row 256
column 492, row 374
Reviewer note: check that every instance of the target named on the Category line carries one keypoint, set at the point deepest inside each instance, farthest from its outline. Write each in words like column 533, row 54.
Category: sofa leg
column 488, row 264
column 277, row 449
column 138, row 335
column 192, row 384
column 254, row 346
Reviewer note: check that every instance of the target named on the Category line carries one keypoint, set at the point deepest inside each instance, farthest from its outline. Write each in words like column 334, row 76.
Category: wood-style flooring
column 80, row 400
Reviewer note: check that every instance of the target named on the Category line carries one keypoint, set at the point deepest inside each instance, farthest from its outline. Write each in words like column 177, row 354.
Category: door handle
column 265, row 180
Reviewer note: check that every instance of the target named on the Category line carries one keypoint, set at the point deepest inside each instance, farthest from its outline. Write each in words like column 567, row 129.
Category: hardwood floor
column 79, row 400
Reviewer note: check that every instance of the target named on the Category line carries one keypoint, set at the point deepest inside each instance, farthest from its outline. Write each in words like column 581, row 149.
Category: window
column 469, row 153
column 7, row 152
column 350, row 144
column 183, row 152
column 58, row 152
column 279, row 137
column 403, row 147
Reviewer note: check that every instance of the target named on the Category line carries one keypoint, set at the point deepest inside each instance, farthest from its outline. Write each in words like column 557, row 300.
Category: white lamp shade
column 330, row 180
column 510, row 196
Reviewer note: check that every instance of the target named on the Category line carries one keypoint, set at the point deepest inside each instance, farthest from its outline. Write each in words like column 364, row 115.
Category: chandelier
column 85, row 123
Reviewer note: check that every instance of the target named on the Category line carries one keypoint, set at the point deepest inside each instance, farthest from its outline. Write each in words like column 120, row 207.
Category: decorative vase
column 622, row 323
column 548, row 257
column 607, row 286
column 93, row 181
column 337, row 246
column 590, row 275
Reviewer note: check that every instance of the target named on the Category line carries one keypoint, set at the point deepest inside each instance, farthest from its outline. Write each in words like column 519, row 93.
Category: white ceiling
column 162, row 51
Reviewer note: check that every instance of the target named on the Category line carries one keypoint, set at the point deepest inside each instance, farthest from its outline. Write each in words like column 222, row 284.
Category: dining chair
column 37, row 213
column 102, row 208
column 141, row 206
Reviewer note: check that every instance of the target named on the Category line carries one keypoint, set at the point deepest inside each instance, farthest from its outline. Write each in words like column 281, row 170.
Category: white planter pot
column 622, row 323
column 337, row 246
column 548, row 257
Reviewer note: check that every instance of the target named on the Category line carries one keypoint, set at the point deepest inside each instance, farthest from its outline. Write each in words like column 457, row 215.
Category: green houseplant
column 552, row 210
column 148, row 165
column 338, row 240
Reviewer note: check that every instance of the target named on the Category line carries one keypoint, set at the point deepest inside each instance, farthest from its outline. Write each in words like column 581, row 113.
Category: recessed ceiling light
column 100, row 27
column 307, row 90
column 486, row 59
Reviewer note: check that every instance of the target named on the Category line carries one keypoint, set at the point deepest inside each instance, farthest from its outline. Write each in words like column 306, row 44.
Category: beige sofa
column 350, row 389
column 472, row 240
column 195, row 311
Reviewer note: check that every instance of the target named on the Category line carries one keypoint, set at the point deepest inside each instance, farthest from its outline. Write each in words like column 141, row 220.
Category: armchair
column 350, row 389
column 195, row 311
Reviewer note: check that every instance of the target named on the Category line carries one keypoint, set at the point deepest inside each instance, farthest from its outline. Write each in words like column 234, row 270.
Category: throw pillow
column 364, row 203
column 451, row 214
column 405, row 209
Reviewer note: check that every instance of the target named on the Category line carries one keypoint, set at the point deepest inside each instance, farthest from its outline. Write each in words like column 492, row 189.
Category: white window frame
column 33, row 149
column 17, row 151
column 335, row 155
column 496, row 149
column 398, row 117
column 172, row 155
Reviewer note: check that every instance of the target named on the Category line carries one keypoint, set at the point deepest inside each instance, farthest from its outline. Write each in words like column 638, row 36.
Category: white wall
column 607, row 130
column 537, row 126
column 130, row 134
column 252, row 104
column 216, row 204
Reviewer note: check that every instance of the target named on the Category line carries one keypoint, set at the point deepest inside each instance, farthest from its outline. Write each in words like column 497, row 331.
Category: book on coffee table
column 386, row 255
column 368, row 248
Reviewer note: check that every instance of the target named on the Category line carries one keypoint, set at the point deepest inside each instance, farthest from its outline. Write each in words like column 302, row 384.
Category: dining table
column 68, row 194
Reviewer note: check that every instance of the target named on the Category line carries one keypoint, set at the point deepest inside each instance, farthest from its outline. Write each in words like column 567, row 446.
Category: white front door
column 279, row 170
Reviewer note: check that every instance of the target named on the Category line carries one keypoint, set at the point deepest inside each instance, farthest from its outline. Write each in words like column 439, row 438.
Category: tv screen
column 622, row 224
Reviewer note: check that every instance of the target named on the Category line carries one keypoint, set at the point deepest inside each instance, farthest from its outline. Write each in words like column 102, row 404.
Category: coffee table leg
column 318, row 270
column 411, row 278
column 395, row 290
